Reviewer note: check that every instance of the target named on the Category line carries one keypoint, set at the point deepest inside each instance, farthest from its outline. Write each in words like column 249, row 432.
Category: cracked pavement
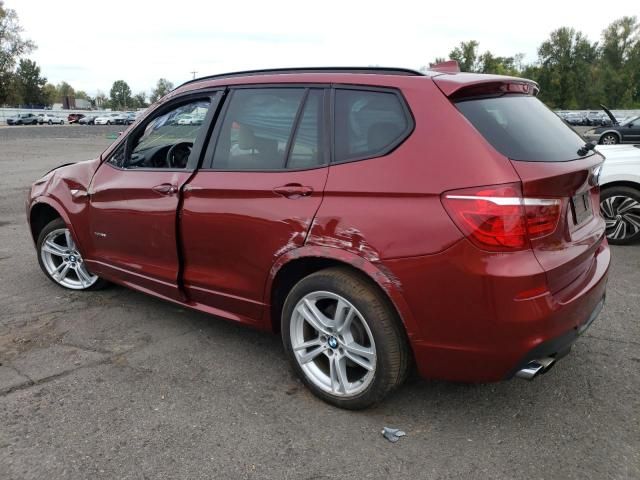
column 116, row 384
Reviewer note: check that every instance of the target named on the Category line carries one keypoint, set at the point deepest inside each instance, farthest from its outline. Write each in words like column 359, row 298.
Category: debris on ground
column 392, row 434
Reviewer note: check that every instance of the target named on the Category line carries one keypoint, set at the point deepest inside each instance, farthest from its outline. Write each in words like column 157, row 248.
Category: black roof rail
column 246, row 73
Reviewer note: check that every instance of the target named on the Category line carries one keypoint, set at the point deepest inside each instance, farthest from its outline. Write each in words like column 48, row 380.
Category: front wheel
column 61, row 261
column 620, row 207
column 609, row 139
column 344, row 339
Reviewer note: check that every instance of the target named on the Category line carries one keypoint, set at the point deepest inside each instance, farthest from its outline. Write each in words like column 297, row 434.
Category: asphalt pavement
column 116, row 384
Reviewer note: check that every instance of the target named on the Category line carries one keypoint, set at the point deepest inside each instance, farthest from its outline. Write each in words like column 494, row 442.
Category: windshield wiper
column 586, row 148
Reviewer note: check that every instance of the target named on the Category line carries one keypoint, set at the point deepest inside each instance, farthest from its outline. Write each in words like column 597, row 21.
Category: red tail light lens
column 499, row 218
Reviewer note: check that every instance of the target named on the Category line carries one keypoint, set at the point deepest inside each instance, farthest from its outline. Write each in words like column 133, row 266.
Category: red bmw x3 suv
column 374, row 217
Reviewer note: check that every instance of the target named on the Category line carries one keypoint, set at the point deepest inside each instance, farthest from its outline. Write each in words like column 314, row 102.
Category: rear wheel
column 609, row 139
column 620, row 207
column 344, row 339
column 61, row 261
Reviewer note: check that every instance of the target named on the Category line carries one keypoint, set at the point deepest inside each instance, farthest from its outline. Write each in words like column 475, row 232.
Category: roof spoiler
column 450, row 66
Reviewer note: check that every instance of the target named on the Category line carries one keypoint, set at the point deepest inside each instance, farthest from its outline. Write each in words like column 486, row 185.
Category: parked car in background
column 620, row 192
column 107, row 119
column 23, row 119
column 75, row 117
column 595, row 118
column 131, row 117
column 190, row 120
column 626, row 132
column 87, row 120
column 575, row 119
column 329, row 206
column 50, row 119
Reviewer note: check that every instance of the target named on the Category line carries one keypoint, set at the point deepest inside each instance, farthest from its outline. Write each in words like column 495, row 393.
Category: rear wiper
column 586, row 148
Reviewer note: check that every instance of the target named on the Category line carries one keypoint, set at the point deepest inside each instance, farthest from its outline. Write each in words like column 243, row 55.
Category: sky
column 90, row 44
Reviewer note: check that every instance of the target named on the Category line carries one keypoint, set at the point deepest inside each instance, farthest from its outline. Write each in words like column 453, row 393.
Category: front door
column 631, row 131
column 256, row 199
column 135, row 193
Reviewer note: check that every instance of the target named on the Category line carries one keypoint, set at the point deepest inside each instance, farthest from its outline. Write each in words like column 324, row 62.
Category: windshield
column 522, row 128
column 632, row 119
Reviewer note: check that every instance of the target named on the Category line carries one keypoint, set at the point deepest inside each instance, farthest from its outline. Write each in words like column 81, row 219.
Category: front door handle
column 165, row 189
column 293, row 190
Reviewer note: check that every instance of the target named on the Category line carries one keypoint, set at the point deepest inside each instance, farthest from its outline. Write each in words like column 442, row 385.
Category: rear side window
column 368, row 123
column 257, row 129
column 522, row 128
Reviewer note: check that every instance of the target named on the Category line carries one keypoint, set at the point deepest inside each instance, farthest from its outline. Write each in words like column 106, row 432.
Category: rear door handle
column 293, row 190
column 165, row 189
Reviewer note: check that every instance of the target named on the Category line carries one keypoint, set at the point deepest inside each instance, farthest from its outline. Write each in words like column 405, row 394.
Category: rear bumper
column 471, row 325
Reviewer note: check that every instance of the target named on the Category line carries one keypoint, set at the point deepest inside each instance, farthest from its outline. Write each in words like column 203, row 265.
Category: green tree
column 65, row 90
column 49, row 94
column 12, row 47
column 466, row 54
column 140, row 100
column 82, row 95
column 163, row 87
column 620, row 59
column 121, row 95
column 565, row 69
column 29, row 83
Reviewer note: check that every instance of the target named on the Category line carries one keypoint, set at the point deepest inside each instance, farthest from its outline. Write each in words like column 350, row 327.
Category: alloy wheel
column 63, row 261
column 621, row 215
column 609, row 140
column 333, row 344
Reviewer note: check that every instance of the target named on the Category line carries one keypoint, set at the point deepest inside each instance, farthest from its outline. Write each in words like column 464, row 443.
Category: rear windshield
column 522, row 128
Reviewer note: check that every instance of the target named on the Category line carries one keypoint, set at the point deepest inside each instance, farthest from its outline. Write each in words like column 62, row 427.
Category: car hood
column 610, row 115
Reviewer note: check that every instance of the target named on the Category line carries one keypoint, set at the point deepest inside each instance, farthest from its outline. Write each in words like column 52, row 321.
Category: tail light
column 499, row 218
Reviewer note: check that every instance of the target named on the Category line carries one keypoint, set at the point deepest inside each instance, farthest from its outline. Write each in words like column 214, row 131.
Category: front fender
column 376, row 271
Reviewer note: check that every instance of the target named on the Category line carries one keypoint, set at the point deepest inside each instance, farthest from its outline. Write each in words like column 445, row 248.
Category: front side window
column 167, row 140
column 367, row 123
column 257, row 130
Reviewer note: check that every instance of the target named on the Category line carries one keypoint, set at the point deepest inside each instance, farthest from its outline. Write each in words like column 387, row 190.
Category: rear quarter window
column 522, row 128
column 368, row 123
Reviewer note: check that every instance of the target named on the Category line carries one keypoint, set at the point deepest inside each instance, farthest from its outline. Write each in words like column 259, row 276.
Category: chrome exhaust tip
column 535, row 368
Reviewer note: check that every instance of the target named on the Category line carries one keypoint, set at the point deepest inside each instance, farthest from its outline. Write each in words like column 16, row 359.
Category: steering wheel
column 178, row 155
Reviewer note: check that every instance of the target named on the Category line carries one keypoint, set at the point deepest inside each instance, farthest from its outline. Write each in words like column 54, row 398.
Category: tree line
column 573, row 72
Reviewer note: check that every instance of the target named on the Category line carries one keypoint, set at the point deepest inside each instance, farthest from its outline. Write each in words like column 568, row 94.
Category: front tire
column 609, row 139
column 620, row 207
column 61, row 261
column 344, row 339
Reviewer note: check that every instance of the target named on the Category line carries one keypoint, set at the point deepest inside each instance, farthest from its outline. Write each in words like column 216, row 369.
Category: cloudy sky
column 91, row 44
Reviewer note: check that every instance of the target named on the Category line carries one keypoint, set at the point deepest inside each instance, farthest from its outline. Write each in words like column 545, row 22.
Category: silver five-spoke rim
column 621, row 215
column 333, row 344
column 63, row 261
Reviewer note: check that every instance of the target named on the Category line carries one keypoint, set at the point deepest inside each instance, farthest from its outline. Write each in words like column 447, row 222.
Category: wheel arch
column 43, row 212
column 615, row 132
column 296, row 264
column 621, row 183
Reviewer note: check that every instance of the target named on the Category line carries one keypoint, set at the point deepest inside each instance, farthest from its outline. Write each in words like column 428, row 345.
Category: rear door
column 255, row 197
column 548, row 157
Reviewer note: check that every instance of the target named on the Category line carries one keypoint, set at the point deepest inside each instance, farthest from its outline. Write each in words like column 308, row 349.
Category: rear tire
column 360, row 352
column 620, row 207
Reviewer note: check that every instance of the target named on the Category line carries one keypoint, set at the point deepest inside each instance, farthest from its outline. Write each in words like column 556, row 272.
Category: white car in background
column 108, row 119
column 50, row 119
column 620, row 192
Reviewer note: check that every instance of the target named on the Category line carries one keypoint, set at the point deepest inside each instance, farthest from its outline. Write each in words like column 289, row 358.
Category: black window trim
column 207, row 164
column 392, row 146
column 214, row 95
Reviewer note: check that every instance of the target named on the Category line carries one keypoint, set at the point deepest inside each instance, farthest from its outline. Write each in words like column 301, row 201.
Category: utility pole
column 194, row 74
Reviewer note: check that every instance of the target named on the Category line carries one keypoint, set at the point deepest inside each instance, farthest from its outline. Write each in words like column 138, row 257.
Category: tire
column 61, row 122
column 50, row 122
column 374, row 331
column 60, row 260
column 620, row 207
column 609, row 139
column 108, row 122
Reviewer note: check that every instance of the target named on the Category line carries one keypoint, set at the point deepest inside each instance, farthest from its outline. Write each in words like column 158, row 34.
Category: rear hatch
column 551, row 162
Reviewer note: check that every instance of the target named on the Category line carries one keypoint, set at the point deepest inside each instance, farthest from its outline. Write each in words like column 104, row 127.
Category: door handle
column 165, row 189
column 293, row 190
